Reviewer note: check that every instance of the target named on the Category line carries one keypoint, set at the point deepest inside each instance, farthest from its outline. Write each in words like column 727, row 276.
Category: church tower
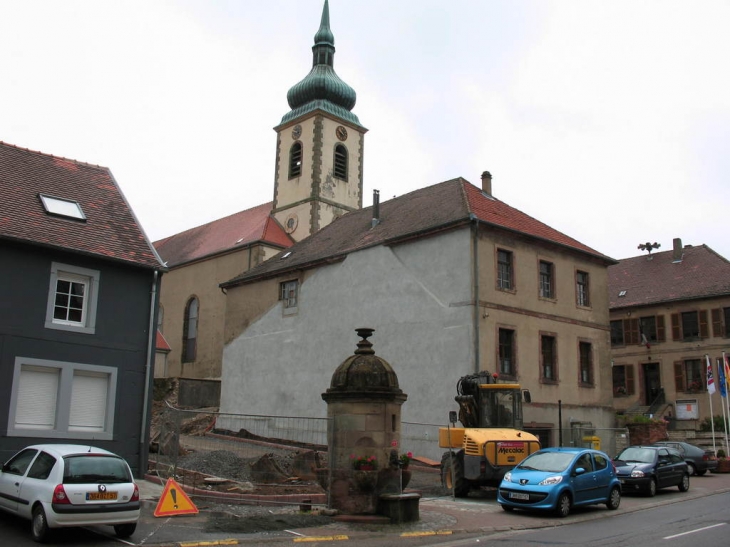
column 319, row 146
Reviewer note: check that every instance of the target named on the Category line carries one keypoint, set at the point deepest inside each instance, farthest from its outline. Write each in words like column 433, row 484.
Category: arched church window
column 341, row 162
column 295, row 160
column 190, row 331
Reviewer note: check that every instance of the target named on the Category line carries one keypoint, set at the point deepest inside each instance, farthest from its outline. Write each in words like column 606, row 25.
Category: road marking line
column 208, row 543
column 693, row 531
column 321, row 538
column 422, row 534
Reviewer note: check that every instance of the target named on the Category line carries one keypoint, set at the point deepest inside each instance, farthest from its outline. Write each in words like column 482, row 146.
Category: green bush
column 721, row 453
column 706, row 425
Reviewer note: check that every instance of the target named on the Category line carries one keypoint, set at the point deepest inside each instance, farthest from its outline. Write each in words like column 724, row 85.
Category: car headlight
column 508, row 476
column 637, row 473
column 555, row 479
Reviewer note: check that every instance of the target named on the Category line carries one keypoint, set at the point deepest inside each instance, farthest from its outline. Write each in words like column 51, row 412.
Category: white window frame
column 74, row 274
column 62, row 406
column 289, row 295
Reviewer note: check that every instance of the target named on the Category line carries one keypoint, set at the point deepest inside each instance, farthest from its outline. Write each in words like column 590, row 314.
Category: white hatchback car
column 62, row 485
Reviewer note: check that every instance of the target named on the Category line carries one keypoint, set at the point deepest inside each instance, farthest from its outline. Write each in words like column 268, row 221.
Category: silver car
column 62, row 485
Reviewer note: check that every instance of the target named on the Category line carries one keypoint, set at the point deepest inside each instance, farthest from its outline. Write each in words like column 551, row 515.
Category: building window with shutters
column 548, row 359
column 341, row 162
column 726, row 315
column 60, row 400
column 546, row 280
column 190, row 331
column 507, row 353
column 582, row 289
column 617, row 332
column 585, row 360
column 623, row 380
column 690, row 325
column 689, row 375
column 505, row 273
column 721, row 322
column 295, row 160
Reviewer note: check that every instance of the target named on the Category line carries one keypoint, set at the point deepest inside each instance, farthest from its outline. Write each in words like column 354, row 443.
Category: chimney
column 677, row 252
column 376, row 208
column 487, row 182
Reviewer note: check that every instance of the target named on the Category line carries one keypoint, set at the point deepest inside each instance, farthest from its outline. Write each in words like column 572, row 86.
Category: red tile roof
column 422, row 212
column 110, row 229
column 702, row 273
column 161, row 344
column 235, row 231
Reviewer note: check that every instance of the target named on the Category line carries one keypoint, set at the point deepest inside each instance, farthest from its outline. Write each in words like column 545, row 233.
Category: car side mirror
column 579, row 470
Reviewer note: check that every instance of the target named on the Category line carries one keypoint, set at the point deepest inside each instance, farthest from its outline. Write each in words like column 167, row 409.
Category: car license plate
column 519, row 496
column 99, row 496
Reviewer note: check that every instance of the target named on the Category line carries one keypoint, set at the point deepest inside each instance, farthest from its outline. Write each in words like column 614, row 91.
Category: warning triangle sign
column 174, row 501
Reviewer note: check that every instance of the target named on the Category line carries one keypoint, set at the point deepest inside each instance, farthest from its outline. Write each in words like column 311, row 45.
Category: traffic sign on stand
column 174, row 501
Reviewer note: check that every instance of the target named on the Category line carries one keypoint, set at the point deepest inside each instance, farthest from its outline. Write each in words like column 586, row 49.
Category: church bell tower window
column 295, row 160
column 341, row 162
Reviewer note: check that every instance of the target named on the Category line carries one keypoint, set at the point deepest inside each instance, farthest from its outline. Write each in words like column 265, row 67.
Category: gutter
column 142, row 466
column 475, row 262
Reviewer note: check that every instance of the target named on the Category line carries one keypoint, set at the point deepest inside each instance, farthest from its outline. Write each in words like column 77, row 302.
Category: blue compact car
column 558, row 479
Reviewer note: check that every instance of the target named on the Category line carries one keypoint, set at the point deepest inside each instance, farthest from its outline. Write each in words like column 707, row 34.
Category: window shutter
column 678, row 375
column 661, row 335
column 676, row 330
column 717, row 329
column 629, row 379
column 37, row 391
column 631, row 331
column 704, row 325
column 88, row 402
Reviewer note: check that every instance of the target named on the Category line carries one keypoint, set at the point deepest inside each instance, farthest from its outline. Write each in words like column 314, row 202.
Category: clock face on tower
column 291, row 223
column 341, row 133
column 296, row 132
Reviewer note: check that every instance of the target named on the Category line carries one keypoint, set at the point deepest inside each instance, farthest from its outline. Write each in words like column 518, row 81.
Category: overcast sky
column 608, row 120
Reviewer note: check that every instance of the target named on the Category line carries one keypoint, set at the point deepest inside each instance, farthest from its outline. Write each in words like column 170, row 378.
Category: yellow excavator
column 492, row 441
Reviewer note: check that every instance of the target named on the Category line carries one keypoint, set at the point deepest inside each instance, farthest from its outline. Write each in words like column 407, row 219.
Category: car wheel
column 461, row 486
column 684, row 485
column 125, row 530
column 692, row 469
column 39, row 525
column 651, row 490
column 562, row 508
column 700, row 473
column 614, row 498
column 507, row 508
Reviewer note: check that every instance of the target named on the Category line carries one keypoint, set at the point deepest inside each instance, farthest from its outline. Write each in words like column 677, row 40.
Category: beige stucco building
column 670, row 311
column 454, row 281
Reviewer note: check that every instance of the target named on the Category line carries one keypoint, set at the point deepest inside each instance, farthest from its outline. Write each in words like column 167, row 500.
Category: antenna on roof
column 649, row 247
column 376, row 208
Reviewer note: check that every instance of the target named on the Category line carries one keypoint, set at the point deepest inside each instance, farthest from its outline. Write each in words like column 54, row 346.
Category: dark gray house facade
column 78, row 306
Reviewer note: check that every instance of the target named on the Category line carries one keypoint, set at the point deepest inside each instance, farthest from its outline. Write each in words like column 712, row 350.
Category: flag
column 727, row 368
column 721, row 378
column 710, row 379
column 644, row 340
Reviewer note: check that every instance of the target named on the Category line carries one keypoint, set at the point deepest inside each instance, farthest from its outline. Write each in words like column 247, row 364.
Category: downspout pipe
column 142, row 467
column 475, row 273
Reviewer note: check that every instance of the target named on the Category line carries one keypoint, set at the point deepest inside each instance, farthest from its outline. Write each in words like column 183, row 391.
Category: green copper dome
column 322, row 88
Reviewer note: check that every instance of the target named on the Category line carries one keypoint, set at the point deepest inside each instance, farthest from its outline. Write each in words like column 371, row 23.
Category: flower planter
column 723, row 466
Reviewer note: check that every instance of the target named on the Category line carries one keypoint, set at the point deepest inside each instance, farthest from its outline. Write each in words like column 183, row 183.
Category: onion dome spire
column 322, row 88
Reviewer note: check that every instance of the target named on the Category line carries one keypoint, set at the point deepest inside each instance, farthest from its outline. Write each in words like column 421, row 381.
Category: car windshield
column 95, row 468
column 552, row 462
column 637, row 455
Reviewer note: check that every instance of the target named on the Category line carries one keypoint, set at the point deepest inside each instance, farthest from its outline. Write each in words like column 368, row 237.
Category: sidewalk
column 438, row 516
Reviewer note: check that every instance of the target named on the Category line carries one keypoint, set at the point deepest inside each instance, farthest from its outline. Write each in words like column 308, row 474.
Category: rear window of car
column 95, row 468
column 601, row 462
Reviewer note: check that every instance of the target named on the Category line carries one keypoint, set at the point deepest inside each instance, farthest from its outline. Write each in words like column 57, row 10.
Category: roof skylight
column 622, row 293
column 62, row 207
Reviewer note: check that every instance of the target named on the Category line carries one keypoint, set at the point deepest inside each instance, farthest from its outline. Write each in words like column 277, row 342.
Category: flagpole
column 723, row 393
column 710, row 387
column 726, row 370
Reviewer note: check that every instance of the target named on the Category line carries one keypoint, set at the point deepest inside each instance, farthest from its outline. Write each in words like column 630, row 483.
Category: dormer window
column 62, row 207
column 295, row 160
